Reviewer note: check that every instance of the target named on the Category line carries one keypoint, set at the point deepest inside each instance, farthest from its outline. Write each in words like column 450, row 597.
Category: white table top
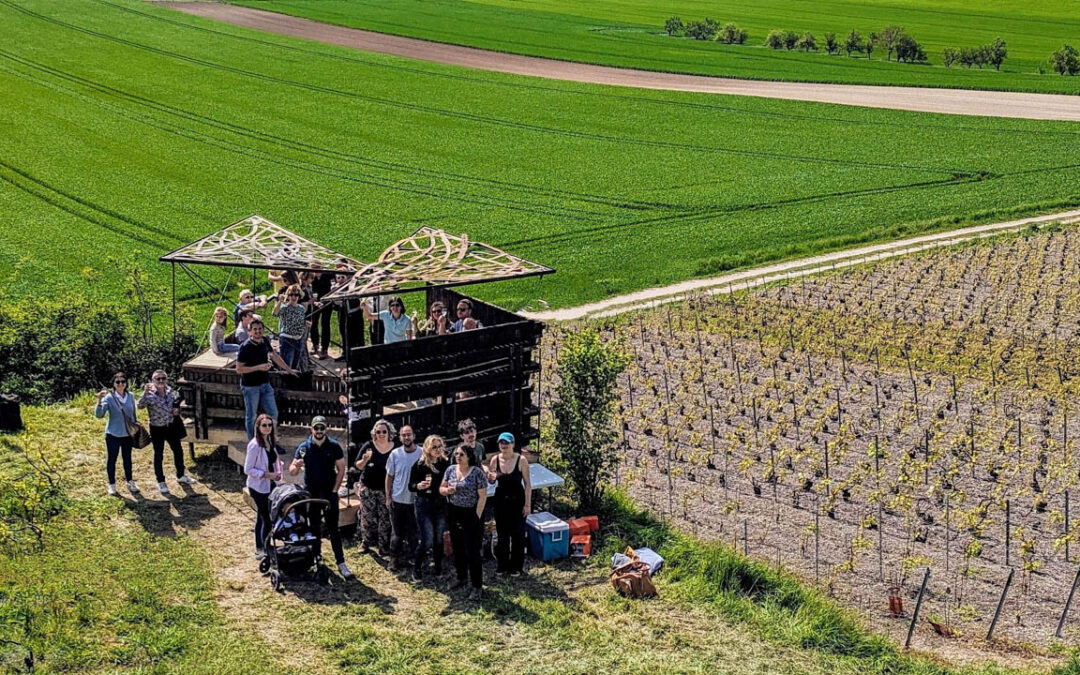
column 540, row 476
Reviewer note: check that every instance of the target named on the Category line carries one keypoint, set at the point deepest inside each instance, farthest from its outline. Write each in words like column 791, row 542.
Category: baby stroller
column 292, row 546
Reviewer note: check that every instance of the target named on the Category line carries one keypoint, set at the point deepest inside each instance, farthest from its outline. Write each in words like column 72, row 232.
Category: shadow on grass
column 161, row 517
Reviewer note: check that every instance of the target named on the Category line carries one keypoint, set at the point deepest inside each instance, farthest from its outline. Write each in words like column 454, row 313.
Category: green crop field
column 630, row 33
column 130, row 130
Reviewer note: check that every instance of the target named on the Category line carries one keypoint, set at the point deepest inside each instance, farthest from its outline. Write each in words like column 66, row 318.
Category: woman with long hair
column 263, row 469
column 425, row 478
column 465, row 487
column 374, row 515
column 292, row 325
column 217, row 334
column 119, row 405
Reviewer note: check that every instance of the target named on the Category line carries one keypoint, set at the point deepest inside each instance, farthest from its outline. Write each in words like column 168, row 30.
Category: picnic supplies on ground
column 646, row 555
column 549, row 537
column 632, row 579
column 580, row 546
column 578, row 526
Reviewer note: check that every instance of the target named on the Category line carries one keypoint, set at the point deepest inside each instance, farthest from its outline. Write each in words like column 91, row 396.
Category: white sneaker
column 185, row 480
column 163, row 488
column 112, row 490
column 343, row 491
column 132, row 487
column 346, row 573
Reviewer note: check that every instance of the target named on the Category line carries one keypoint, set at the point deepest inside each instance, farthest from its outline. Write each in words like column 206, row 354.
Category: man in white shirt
column 399, row 499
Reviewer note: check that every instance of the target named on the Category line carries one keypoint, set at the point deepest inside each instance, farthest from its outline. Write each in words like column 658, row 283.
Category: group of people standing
column 410, row 495
column 162, row 404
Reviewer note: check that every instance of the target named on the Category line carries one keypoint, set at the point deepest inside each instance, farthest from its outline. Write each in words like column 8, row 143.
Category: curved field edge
column 603, row 36
column 180, row 594
column 133, row 131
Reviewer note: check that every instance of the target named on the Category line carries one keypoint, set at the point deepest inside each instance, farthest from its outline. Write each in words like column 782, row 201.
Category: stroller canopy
column 283, row 495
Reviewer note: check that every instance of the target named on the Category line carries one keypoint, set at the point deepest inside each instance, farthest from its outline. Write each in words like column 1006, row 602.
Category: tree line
column 894, row 41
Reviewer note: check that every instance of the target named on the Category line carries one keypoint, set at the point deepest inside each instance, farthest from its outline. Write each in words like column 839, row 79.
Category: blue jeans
column 228, row 348
column 430, row 524
column 290, row 349
column 255, row 398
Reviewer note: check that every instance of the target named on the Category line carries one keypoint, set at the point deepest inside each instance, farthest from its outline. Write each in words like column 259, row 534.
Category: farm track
column 791, row 269
column 918, row 99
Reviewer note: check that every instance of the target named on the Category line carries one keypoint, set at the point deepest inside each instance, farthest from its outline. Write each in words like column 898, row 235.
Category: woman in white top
column 217, row 334
column 263, row 469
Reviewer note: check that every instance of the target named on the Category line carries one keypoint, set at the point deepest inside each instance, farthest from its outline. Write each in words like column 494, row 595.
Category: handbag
column 177, row 429
column 140, row 437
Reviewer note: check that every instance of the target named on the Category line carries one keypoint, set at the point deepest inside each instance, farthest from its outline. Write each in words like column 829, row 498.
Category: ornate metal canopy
column 432, row 257
column 258, row 243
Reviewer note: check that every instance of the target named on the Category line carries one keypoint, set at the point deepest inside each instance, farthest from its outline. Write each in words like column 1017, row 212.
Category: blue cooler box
column 549, row 537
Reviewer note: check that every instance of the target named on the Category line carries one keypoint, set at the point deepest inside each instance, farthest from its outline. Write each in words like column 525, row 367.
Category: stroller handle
column 317, row 502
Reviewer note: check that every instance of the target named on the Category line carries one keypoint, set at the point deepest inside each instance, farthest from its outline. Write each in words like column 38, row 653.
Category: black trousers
column 510, row 526
column 262, row 516
column 466, row 536
column 320, row 327
column 351, row 324
column 403, row 540
column 159, row 436
column 329, row 524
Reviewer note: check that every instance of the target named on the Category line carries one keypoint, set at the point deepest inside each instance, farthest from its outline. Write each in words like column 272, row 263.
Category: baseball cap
column 506, row 437
column 318, row 419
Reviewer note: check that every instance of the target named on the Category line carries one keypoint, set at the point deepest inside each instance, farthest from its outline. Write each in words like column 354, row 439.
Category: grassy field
column 131, row 130
column 629, row 33
column 168, row 585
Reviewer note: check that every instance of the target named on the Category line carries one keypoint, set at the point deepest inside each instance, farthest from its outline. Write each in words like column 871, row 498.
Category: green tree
column 868, row 46
column 775, row 39
column 909, row 50
column 889, row 39
column 831, row 45
column 949, row 56
column 791, row 38
column 998, row 52
column 1066, row 61
column 584, row 410
column 807, row 42
column 674, row 26
column 853, row 42
column 731, row 34
column 703, row 30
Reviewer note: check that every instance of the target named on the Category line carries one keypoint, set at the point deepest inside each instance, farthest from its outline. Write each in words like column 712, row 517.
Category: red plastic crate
column 578, row 526
column 580, row 546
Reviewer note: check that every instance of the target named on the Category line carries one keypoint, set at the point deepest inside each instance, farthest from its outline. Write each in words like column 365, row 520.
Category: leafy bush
column 52, row 348
column 731, row 34
column 807, row 42
column 703, row 30
column 997, row 52
column 775, row 39
column 791, row 38
column 909, row 50
column 674, row 26
column 949, row 56
column 1066, row 61
column 584, row 412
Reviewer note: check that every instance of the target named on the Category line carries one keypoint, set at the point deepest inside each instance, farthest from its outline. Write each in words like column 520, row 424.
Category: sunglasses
column 319, row 427
column 394, row 304
column 294, row 295
column 462, row 309
column 268, row 425
column 380, row 431
column 160, row 379
column 119, row 381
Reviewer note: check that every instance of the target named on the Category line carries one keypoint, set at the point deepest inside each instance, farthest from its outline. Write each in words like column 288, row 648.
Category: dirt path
column 792, row 269
column 920, row 99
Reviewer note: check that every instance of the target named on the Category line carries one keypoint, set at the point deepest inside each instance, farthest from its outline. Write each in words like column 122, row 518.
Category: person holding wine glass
column 465, row 487
column 425, row 479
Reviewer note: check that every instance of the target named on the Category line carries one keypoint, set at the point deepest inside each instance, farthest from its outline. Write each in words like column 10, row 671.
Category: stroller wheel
column 275, row 580
column 264, row 566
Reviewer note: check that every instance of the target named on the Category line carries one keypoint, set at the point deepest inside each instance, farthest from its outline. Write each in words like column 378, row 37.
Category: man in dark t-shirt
column 253, row 366
column 323, row 462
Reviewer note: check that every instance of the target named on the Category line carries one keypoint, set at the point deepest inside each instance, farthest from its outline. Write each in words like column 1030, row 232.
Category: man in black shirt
column 323, row 462
column 253, row 366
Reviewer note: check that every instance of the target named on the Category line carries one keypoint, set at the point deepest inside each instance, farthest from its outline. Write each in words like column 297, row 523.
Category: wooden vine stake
column 1000, row 605
column 1068, row 604
column 918, row 606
